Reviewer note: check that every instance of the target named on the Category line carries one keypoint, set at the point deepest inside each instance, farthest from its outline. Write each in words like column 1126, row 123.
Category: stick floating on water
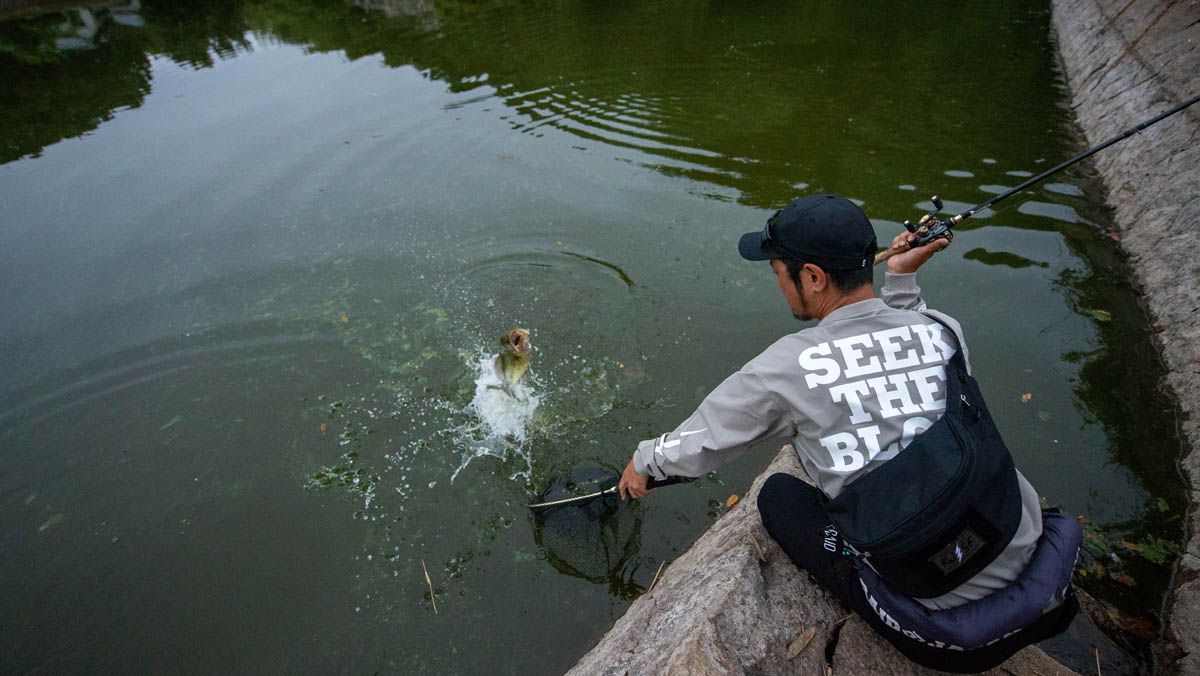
column 429, row 582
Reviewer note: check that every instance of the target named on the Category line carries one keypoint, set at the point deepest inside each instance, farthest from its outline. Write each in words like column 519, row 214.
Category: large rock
column 721, row 609
column 1125, row 61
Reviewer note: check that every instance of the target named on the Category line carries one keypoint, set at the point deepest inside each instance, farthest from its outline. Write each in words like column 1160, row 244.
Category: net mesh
column 592, row 539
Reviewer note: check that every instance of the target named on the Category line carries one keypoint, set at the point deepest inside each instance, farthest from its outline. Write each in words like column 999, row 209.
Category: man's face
column 791, row 293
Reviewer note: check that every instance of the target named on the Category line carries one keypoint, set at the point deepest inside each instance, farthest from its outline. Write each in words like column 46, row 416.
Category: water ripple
column 134, row 367
column 510, row 266
column 628, row 121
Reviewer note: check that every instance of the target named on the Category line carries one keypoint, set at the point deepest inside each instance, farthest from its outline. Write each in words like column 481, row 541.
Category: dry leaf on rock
column 796, row 647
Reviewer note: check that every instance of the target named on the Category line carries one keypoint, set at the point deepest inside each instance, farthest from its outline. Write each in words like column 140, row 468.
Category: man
column 850, row 394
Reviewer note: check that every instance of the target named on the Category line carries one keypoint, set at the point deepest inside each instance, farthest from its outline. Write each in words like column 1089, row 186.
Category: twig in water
column 1097, row 652
column 655, row 580
column 429, row 582
column 762, row 556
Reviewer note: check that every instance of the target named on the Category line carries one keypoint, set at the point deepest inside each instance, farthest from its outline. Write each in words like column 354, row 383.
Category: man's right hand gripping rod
column 928, row 229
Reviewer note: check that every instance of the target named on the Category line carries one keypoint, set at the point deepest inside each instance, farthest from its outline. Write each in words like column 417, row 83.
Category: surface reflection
column 647, row 92
column 1002, row 258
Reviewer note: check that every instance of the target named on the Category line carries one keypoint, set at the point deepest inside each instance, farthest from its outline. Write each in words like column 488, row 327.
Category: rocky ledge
column 735, row 604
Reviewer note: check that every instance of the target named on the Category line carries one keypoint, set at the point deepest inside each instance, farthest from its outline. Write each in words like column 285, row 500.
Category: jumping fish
column 513, row 361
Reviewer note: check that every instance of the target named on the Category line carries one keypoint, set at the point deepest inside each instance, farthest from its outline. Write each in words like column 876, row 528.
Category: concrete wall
column 1126, row 61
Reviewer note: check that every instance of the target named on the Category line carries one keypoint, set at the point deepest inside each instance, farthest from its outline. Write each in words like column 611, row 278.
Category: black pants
column 794, row 514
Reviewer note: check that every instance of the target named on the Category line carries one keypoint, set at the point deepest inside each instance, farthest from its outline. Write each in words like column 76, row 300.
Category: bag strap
column 958, row 360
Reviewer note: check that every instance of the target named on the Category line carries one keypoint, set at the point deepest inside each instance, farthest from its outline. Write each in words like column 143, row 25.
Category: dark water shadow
column 1004, row 258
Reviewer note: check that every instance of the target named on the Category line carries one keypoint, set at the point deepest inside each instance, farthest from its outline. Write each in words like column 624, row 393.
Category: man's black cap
column 826, row 230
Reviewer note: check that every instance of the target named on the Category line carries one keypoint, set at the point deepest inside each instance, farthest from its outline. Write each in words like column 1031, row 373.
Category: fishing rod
column 651, row 483
column 930, row 227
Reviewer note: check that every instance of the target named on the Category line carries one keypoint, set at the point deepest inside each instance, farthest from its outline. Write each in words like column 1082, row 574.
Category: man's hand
column 907, row 258
column 633, row 485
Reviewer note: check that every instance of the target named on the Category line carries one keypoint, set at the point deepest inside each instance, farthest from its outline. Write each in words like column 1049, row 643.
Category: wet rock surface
column 722, row 608
column 1125, row 62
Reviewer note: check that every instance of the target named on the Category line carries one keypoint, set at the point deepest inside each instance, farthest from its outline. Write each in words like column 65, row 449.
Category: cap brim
column 752, row 247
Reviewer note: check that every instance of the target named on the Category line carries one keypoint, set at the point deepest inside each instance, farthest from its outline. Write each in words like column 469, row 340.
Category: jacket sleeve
column 901, row 291
column 739, row 412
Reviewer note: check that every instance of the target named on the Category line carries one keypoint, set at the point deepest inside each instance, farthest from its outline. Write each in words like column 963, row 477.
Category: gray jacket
column 848, row 394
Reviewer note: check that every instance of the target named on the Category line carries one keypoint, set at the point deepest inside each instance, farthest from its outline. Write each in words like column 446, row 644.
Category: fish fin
column 505, row 388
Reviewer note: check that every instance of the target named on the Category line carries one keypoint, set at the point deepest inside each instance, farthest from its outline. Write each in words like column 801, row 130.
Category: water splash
column 502, row 417
column 503, row 411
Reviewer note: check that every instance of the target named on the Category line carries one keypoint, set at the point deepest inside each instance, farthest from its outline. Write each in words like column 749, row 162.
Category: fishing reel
column 930, row 227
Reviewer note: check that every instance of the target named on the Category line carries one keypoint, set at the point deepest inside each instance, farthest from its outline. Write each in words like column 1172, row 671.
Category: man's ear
column 815, row 277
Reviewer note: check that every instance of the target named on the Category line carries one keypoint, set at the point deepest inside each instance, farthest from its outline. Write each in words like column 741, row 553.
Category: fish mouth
column 518, row 340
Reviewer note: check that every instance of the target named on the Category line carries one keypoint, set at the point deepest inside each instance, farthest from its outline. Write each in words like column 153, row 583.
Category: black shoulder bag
column 945, row 507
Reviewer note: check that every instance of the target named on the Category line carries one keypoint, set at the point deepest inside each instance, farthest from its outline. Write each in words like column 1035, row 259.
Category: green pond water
column 253, row 254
